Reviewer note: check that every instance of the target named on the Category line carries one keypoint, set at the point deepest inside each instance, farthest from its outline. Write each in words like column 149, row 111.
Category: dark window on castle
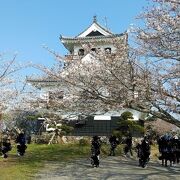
column 108, row 50
column 93, row 49
column 95, row 33
column 81, row 52
column 56, row 95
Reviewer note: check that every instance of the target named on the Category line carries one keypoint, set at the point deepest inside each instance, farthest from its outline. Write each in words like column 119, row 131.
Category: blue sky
column 27, row 25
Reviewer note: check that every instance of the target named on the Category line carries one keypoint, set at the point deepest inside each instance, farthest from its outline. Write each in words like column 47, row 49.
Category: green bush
column 126, row 115
column 127, row 126
column 84, row 142
column 65, row 129
column 118, row 134
column 105, row 150
column 41, row 139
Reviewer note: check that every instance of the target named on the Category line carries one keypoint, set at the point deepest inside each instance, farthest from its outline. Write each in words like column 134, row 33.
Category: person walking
column 21, row 143
column 95, row 151
column 144, row 152
column 113, row 143
column 6, row 146
column 128, row 145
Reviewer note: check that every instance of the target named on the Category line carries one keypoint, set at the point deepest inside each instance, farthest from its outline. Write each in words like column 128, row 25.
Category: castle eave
column 89, row 38
column 69, row 42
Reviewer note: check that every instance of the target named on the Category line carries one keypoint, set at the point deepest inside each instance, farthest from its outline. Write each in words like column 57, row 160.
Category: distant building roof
column 102, row 117
column 43, row 82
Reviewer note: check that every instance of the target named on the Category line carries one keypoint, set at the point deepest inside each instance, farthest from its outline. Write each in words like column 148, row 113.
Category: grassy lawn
column 22, row 168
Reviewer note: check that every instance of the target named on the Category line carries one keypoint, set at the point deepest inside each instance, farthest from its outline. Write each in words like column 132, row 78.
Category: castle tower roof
column 95, row 29
column 93, row 34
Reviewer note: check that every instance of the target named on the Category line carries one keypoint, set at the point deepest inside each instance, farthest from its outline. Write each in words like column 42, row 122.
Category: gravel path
column 111, row 168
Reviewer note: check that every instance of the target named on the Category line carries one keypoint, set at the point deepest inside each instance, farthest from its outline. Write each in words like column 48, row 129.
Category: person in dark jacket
column 6, row 146
column 138, row 148
column 128, row 145
column 176, row 147
column 144, row 152
column 95, row 151
column 113, row 142
column 21, row 143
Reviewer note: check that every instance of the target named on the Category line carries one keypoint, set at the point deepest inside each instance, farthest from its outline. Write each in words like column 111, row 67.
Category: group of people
column 142, row 148
column 169, row 148
column 95, row 149
column 6, row 145
column 96, row 145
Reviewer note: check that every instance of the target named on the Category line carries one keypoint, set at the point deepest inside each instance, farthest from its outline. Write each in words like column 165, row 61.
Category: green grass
column 24, row 168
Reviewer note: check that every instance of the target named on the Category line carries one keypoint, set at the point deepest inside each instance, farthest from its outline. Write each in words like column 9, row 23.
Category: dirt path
column 111, row 168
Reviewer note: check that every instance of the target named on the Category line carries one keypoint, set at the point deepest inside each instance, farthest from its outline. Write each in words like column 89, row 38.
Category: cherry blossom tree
column 8, row 92
column 98, row 83
column 12, row 86
column 145, row 78
column 159, row 43
column 159, row 37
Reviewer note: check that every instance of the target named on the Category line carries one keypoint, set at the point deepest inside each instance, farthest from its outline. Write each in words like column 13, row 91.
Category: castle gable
column 95, row 30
